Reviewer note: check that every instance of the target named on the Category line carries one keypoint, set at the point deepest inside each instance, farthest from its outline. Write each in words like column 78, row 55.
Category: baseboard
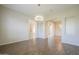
column 18, row 41
column 11, row 42
column 71, row 43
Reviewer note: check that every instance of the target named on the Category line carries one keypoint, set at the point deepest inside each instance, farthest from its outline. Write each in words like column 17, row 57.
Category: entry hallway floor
column 38, row 47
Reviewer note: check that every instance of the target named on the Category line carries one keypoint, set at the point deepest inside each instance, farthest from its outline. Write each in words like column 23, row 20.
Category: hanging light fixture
column 39, row 18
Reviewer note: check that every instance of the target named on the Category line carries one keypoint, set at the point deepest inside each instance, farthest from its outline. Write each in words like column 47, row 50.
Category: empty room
column 39, row 29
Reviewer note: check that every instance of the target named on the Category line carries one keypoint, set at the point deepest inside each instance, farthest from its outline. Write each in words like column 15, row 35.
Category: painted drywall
column 13, row 26
column 71, row 31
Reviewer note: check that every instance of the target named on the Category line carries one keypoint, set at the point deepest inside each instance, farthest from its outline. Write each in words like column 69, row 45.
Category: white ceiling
column 45, row 10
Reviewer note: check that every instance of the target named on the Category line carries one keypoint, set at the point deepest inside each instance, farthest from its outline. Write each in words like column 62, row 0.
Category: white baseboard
column 12, row 42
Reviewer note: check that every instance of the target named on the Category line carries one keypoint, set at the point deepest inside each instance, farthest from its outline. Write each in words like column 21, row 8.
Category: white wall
column 13, row 26
column 71, row 31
